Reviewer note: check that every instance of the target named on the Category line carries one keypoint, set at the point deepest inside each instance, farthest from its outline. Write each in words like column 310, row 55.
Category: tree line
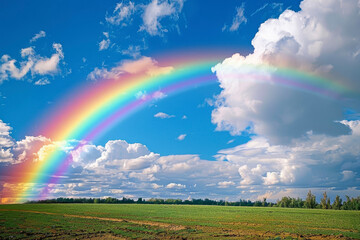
column 285, row 202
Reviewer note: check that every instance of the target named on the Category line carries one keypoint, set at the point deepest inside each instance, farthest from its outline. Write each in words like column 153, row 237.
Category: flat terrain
column 128, row 221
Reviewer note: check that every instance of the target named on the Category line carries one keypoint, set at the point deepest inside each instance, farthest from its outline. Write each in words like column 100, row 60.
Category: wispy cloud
column 163, row 115
column 151, row 15
column 121, row 14
column 105, row 43
column 274, row 6
column 181, row 137
column 145, row 65
column 41, row 34
column 237, row 20
column 42, row 82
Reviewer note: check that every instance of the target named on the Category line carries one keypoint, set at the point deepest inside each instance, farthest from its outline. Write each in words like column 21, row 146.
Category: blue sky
column 79, row 28
column 263, row 139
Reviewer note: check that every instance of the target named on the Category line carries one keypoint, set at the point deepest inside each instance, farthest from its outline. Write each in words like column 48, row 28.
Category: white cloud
column 230, row 141
column 163, row 115
column 315, row 159
column 5, row 139
column 181, row 137
column 9, row 69
column 42, row 81
column 49, row 65
column 41, row 34
column 225, row 184
column 104, row 44
column 121, row 14
column 33, row 63
column 132, row 51
column 238, row 19
column 101, row 73
column 117, row 191
column 159, row 95
column 155, row 11
column 144, row 65
column 152, row 14
column 175, row 185
column 253, row 99
column 156, row 186
column 249, row 171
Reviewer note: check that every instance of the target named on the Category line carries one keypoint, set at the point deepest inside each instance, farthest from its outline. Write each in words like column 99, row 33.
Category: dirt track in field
column 215, row 232
column 155, row 224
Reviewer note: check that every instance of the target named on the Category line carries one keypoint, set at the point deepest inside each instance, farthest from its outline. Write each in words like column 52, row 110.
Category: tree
column 325, row 202
column 337, row 203
column 310, row 201
column 264, row 203
column 328, row 204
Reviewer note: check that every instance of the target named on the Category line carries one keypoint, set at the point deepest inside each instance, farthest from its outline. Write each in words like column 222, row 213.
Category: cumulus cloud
column 50, row 65
column 30, row 148
column 181, row 137
column 5, row 139
column 33, row 63
column 248, row 171
column 41, row 34
column 319, row 160
column 238, row 19
column 163, row 115
column 252, row 98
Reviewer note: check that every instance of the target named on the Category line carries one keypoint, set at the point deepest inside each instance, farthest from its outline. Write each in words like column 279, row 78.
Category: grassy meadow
column 142, row 221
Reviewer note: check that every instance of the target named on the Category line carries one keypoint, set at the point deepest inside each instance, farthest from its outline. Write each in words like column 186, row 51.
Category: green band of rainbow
column 96, row 108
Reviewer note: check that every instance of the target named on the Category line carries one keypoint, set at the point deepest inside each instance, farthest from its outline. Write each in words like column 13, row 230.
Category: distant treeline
column 286, row 202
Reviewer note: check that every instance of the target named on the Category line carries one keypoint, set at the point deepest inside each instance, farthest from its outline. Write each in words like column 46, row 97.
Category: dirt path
column 214, row 232
column 155, row 224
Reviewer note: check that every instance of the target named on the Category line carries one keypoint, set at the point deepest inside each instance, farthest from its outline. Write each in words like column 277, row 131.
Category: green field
column 128, row 221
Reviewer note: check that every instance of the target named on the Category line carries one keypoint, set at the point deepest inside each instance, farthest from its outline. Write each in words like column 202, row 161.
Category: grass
column 135, row 221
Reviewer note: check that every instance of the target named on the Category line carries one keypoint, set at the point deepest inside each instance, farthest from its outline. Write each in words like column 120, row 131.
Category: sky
column 280, row 116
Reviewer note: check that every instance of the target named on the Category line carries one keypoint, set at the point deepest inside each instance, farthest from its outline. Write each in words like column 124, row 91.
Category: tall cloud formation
column 320, row 38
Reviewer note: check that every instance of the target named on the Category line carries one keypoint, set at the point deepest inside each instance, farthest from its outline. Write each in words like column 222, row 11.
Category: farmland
column 139, row 221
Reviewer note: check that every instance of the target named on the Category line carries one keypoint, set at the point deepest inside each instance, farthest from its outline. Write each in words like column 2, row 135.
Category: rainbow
column 94, row 108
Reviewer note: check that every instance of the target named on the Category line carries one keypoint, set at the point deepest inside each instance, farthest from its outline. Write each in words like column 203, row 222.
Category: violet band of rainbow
column 97, row 108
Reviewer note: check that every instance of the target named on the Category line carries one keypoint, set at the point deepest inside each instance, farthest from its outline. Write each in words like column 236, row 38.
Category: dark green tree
column 337, row 203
